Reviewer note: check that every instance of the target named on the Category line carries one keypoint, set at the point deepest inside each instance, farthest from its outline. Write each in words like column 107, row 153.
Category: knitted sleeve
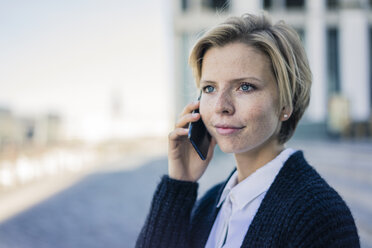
column 168, row 222
column 325, row 222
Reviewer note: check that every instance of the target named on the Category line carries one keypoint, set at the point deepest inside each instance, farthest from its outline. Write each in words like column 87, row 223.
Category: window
column 281, row 4
column 295, row 3
column 333, row 62
column 333, row 4
column 184, row 5
column 220, row 5
column 267, row 4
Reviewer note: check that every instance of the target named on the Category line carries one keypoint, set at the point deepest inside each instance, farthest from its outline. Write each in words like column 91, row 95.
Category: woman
column 255, row 82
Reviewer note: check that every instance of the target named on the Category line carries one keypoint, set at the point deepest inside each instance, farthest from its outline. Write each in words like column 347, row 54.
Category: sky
column 76, row 57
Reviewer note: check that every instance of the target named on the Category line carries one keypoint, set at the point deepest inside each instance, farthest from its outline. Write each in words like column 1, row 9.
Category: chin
column 224, row 150
column 230, row 148
column 241, row 147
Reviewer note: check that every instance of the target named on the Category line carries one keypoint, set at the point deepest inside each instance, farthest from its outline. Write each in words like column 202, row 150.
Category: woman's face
column 240, row 102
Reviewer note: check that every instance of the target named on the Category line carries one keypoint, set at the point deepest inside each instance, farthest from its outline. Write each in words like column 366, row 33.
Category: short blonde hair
column 283, row 47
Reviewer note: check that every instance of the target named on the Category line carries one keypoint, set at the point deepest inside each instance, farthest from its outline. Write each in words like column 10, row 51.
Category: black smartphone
column 199, row 137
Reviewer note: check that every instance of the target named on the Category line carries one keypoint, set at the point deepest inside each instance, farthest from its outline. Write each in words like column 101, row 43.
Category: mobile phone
column 199, row 137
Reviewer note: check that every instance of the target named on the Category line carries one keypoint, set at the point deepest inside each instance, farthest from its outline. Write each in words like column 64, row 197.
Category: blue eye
column 208, row 89
column 246, row 87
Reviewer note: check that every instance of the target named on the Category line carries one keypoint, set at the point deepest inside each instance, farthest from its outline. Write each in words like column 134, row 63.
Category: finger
column 190, row 107
column 186, row 119
column 178, row 133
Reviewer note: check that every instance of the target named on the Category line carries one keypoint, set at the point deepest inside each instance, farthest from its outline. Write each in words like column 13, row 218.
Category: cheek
column 261, row 113
column 205, row 109
column 206, row 112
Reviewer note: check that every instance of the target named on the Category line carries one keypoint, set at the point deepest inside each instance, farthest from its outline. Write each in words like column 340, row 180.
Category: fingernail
column 195, row 115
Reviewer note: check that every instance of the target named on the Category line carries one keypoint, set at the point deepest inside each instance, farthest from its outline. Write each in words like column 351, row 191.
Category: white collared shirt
column 240, row 203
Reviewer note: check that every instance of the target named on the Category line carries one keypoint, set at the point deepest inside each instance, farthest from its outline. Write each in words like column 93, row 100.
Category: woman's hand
column 184, row 162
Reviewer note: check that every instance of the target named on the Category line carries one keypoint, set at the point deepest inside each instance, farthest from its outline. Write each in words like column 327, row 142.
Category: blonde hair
column 283, row 47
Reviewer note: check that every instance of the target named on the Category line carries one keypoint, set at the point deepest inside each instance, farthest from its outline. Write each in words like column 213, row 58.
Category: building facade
column 21, row 131
column 337, row 37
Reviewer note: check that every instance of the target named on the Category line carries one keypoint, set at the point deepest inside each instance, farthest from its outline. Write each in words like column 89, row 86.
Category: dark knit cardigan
column 299, row 210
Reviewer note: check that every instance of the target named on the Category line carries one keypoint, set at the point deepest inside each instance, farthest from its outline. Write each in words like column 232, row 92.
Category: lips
column 227, row 129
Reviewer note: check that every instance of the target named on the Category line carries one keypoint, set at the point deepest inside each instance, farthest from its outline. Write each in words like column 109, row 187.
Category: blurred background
column 90, row 89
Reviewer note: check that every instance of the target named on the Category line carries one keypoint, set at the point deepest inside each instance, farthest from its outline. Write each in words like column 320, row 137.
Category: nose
column 224, row 104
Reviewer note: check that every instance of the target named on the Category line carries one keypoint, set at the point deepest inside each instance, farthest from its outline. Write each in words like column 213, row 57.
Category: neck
column 250, row 161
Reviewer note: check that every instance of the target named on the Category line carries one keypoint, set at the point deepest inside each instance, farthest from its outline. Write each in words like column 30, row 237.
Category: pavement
column 108, row 206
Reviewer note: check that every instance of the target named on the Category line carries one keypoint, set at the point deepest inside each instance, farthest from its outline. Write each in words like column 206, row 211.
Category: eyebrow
column 235, row 80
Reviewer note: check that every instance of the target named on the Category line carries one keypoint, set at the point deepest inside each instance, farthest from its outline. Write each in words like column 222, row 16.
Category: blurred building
column 47, row 129
column 9, row 128
column 336, row 35
column 37, row 130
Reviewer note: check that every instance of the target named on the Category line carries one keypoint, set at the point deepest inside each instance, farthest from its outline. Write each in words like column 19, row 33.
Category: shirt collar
column 257, row 183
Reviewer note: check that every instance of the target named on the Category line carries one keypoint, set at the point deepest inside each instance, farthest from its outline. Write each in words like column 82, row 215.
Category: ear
column 285, row 113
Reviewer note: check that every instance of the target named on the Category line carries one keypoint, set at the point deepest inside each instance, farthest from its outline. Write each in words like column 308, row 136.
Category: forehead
column 235, row 59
